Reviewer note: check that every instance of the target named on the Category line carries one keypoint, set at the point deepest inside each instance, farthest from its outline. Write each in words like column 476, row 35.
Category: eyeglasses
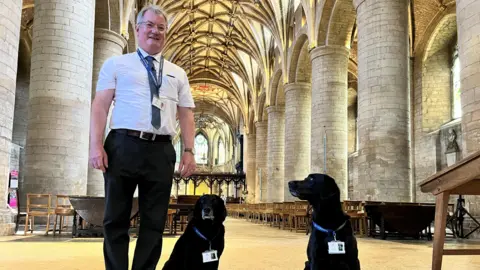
column 150, row 25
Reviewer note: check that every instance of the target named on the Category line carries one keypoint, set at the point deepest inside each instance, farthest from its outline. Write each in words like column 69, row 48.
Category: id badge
column 210, row 256
column 336, row 247
column 159, row 103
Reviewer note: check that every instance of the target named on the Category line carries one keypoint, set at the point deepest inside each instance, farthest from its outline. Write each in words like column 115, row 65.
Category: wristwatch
column 190, row 150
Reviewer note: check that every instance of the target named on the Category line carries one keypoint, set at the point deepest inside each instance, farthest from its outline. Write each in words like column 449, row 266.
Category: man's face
column 151, row 32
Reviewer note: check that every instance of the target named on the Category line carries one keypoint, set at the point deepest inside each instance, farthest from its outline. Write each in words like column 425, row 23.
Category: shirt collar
column 155, row 56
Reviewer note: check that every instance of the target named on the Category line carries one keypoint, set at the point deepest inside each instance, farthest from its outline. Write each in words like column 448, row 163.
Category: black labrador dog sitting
column 202, row 243
column 332, row 245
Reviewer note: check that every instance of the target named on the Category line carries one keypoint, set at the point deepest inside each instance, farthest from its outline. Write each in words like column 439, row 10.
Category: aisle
column 248, row 247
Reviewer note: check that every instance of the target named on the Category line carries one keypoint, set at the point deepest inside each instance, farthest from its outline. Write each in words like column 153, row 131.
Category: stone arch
column 323, row 14
column 436, row 74
column 115, row 15
column 251, row 121
column 132, row 38
column 274, row 87
column 261, row 106
column 301, row 43
column 304, row 65
column 340, row 26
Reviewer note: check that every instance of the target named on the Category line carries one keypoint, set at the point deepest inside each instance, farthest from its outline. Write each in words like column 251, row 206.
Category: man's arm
column 100, row 107
column 187, row 125
column 98, row 119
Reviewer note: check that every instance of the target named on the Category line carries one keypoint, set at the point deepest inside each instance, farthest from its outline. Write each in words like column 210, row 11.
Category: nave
column 249, row 246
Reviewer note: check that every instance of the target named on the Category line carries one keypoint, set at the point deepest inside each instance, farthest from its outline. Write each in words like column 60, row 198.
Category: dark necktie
column 153, row 92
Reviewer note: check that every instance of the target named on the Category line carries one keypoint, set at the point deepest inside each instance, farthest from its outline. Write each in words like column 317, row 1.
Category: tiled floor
column 248, row 246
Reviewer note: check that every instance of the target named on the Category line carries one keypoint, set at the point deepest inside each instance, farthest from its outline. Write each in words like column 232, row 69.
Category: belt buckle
column 143, row 138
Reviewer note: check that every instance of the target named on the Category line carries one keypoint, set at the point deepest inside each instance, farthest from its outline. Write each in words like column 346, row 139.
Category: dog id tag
column 210, row 256
column 336, row 247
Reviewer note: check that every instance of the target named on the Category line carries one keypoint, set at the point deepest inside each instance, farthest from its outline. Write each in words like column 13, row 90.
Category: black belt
column 144, row 135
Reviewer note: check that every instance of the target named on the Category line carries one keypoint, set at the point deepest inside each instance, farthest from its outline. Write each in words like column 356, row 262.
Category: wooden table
column 462, row 178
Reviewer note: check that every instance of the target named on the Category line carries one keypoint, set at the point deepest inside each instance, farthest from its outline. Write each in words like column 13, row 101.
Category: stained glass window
column 456, row 101
column 201, row 149
column 221, row 152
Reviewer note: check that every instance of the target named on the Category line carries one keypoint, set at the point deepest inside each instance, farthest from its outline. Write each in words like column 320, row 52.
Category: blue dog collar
column 200, row 234
column 328, row 231
column 205, row 238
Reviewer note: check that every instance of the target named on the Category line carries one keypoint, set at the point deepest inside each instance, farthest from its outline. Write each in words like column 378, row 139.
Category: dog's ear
column 220, row 209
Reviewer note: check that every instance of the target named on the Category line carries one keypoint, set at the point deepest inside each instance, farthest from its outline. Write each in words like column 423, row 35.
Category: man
column 138, row 150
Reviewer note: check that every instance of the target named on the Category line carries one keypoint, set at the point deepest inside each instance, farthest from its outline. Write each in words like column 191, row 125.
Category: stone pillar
column 329, row 113
column 107, row 44
column 261, row 162
column 9, row 38
column 468, row 21
column 250, row 164
column 60, row 95
column 275, row 153
column 383, row 113
column 297, row 128
column 468, row 25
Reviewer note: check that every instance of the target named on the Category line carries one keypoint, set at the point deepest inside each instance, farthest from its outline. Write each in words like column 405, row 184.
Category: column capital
column 329, row 49
column 302, row 86
column 276, row 108
column 260, row 124
column 102, row 33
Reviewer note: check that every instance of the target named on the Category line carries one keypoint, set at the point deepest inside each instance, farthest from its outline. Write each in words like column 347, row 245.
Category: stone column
column 468, row 21
column 261, row 162
column 107, row 43
column 9, row 37
column 60, row 95
column 468, row 25
column 297, row 128
column 275, row 153
column 383, row 113
column 250, row 160
column 329, row 113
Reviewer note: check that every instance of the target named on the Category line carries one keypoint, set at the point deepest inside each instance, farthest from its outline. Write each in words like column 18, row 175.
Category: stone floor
column 248, row 246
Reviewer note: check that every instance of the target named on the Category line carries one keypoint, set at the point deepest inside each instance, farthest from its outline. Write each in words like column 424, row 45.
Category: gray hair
column 154, row 8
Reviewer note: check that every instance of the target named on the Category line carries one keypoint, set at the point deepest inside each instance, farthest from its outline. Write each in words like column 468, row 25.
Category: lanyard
column 150, row 73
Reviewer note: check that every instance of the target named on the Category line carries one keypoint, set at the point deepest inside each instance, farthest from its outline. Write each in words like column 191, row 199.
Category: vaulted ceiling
column 226, row 48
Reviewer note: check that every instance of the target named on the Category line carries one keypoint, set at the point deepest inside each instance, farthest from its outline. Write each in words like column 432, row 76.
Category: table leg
column 441, row 205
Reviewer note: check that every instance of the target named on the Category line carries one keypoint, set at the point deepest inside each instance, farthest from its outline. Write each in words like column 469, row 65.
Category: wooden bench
column 463, row 178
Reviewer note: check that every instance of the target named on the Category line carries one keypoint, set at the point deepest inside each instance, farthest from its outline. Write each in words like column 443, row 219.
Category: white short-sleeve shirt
column 127, row 75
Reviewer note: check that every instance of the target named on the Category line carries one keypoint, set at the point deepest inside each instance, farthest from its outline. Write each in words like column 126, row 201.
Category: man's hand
column 98, row 158
column 187, row 164
column 187, row 125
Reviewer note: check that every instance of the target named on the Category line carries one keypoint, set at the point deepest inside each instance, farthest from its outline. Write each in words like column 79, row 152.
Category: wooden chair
column 38, row 210
column 19, row 214
column 63, row 209
column 358, row 216
column 300, row 216
column 287, row 215
column 277, row 212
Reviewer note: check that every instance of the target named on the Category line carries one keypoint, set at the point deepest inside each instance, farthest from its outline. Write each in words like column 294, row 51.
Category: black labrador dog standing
column 330, row 223
column 202, row 243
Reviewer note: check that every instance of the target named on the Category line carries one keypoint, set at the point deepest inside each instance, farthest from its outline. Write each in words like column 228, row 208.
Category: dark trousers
column 150, row 165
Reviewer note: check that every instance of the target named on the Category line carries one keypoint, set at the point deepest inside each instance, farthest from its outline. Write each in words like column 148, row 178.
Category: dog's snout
column 207, row 210
column 292, row 184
